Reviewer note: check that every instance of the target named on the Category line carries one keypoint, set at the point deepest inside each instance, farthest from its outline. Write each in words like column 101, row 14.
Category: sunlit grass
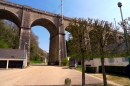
column 114, row 78
column 79, row 68
column 36, row 61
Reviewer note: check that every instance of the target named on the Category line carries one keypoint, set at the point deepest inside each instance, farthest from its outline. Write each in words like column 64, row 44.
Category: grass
column 79, row 68
column 114, row 78
column 36, row 61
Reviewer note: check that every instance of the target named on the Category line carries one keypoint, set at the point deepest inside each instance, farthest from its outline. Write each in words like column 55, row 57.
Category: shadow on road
column 38, row 65
column 76, row 85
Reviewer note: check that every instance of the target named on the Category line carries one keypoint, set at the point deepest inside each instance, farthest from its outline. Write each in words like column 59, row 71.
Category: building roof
column 11, row 53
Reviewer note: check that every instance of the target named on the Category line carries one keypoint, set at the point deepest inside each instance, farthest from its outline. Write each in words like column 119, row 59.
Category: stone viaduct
column 26, row 17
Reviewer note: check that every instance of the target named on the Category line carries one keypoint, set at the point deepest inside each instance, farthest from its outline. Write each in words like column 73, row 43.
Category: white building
column 107, row 61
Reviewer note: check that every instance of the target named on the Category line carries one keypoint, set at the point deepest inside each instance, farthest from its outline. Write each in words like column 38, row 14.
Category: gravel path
column 43, row 75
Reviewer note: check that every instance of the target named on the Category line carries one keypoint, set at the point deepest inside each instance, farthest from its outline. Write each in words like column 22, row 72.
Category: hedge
column 90, row 69
column 118, row 70
column 64, row 61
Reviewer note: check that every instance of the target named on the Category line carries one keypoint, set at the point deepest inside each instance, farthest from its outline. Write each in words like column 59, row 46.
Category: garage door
column 15, row 64
column 3, row 64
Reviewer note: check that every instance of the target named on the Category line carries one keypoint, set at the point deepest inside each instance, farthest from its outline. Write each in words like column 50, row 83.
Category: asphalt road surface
column 43, row 75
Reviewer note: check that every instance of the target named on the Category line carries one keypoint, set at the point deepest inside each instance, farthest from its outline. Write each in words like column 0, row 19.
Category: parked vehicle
column 72, row 63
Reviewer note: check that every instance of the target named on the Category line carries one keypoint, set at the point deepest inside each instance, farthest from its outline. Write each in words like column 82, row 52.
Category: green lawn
column 36, row 61
column 79, row 68
column 114, row 78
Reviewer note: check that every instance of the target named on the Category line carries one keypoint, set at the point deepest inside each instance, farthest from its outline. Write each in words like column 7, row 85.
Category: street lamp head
column 119, row 4
column 25, row 43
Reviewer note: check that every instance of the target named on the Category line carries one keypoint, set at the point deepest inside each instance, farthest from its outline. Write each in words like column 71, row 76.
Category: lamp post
column 24, row 54
column 125, row 31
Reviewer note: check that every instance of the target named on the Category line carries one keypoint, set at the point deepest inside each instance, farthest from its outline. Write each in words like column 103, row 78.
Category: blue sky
column 97, row 9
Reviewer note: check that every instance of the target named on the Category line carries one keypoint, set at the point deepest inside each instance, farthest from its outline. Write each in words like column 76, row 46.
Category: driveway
column 43, row 75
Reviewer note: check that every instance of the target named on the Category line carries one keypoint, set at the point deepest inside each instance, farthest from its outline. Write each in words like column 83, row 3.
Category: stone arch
column 47, row 24
column 54, row 39
column 5, row 14
column 66, row 29
column 70, row 37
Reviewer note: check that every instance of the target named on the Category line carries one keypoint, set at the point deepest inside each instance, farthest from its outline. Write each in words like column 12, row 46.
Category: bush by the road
column 64, row 61
column 90, row 69
column 118, row 70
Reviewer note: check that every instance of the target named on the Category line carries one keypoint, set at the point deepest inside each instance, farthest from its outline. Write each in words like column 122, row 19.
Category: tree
column 12, row 36
column 79, row 44
column 127, row 27
column 100, row 45
column 125, row 24
column 33, row 46
column 9, row 38
column 101, row 37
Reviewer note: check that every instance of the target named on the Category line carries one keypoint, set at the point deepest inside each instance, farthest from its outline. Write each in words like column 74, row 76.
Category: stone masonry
column 26, row 17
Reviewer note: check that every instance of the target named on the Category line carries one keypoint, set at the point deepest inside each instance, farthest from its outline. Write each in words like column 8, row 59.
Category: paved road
column 43, row 75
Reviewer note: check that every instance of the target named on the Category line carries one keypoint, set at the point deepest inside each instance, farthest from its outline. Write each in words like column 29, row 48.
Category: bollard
column 67, row 82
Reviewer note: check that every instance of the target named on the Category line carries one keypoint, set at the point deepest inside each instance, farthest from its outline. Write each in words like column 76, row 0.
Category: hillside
column 9, row 38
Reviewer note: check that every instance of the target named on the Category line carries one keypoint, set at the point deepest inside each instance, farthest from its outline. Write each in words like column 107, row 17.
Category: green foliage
column 9, row 38
column 81, row 46
column 90, row 69
column 101, row 39
column 126, row 25
column 36, row 61
column 79, row 67
column 79, row 43
column 64, row 61
column 118, row 70
column 37, row 57
column 9, row 35
column 3, row 44
column 36, row 53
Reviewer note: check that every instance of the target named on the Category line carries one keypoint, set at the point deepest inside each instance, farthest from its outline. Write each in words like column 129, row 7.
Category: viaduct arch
column 26, row 17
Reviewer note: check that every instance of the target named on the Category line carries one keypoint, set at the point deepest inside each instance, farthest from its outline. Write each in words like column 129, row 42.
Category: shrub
column 90, row 69
column 118, row 70
column 64, row 61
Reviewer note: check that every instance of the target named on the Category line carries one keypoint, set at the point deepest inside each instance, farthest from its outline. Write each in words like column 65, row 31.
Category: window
column 111, row 60
column 125, row 59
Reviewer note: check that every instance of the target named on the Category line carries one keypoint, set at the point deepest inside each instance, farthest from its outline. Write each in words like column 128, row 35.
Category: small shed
column 13, row 58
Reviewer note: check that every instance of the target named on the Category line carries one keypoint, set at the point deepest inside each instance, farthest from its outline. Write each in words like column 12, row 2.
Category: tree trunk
column 103, row 72
column 83, row 70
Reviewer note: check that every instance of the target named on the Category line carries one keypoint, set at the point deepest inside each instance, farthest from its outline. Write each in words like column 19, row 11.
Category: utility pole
column 61, row 11
column 60, row 26
column 124, row 28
